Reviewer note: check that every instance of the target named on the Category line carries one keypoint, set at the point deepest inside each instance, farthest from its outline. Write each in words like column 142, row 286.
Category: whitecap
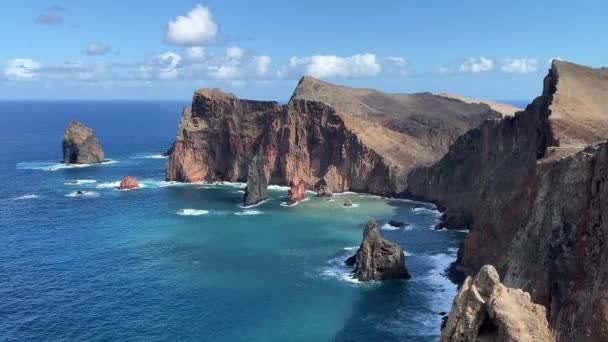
column 339, row 270
column 407, row 254
column 285, row 204
column 192, row 212
column 50, row 166
column 80, row 181
column 387, row 226
column 152, row 156
column 248, row 212
column 427, row 210
column 371, row 196
column 238, row 192
column 82, row 194
column 278, row 187
column 253, row 205
column 108, row 185
column 344, row 193
column 24, row 197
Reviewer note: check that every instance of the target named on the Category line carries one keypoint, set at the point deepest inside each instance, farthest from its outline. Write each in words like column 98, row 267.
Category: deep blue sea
column 174, row 262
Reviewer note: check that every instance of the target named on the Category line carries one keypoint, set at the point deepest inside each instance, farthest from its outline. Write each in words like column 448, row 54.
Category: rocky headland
column 80, row 145
column 377, row 258
column 347, row 139
column 532, row 189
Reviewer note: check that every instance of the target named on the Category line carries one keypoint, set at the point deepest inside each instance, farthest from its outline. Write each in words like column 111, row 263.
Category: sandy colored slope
column 503, row 108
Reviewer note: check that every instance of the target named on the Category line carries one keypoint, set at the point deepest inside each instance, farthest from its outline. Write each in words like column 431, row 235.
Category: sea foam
column 248, row 212
column 24, row 197
column 50, row 166
column 192, row 212
column 80, row 181
column 83, row 194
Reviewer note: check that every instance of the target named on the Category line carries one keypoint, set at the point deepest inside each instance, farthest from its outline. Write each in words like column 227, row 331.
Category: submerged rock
column 348, row 203
column 128, row 182
column 377, row 258
column 486, row 310
column 297, row 191
column 398, row 224
column 257, row 183
column 80, row 145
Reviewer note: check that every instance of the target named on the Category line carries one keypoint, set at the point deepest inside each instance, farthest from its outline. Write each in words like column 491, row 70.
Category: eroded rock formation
column 80, row 145
column 378, row 258
column 128, row 182
column 535, row 199
column 297, row 191
column 257, row 182
column 486, row 310
column 353, row 139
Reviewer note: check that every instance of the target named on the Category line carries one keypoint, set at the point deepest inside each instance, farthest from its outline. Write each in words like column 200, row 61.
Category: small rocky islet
column 553, row 156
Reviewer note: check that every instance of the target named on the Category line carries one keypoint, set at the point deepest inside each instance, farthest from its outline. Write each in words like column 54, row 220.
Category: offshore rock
column 128, row 182
column 322, row 189
column 80, row 145
column 533, row 190
column 354, row 139
column 377, row 258
column 297, row 191
column 486, row 310
column 257, row 183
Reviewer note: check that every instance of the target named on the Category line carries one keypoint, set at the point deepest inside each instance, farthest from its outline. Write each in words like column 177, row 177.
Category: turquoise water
column 173, row 262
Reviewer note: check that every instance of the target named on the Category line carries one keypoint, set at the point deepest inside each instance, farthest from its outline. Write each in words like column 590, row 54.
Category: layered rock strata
column 80, row 145
column 367, row 141
column 486, row 310
column 535, row 199
column 378, row 258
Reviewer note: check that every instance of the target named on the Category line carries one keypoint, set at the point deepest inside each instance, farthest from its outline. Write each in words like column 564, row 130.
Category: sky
column 163, row 50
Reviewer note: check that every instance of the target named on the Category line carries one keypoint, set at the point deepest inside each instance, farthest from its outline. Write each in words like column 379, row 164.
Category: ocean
column 185, row 262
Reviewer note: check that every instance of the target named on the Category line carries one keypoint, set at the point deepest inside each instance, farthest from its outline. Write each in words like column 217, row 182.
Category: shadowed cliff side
column 533, row 204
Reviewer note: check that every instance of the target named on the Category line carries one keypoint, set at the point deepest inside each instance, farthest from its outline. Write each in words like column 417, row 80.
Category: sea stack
column 257, row 183
column 378, row 258
column 80, row 145
column 297, row 191
column 128, row 182
column 486, row 310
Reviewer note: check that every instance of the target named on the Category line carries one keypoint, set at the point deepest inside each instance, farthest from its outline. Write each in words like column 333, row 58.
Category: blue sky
column 138, row 50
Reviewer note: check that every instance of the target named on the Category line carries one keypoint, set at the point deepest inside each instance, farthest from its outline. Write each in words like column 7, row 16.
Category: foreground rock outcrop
column 128, row 182
column 378, row 258
column 486, row 310
column 80, row 145
column 535, row 199
column 257, row 183
column 353, row 139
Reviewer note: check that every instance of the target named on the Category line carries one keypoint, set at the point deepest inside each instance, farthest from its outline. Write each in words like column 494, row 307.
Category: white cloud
column 237, row 64
column 21, row 69
column 476, row 65
column 97, row 49
column 52, row 16
column 324, row 66
column 195, row 53
column 394, row 65
column 195, row 28
column 163, row 66
column 520, row 65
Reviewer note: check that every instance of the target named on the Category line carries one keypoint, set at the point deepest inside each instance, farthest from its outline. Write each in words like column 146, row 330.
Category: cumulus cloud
column 237, row 64
column 52, row 16
column 520, row 65
column 97, row 49
column 163, row 66
column 195, row 28
column 476, row 65
column 328, row 66
column 196, row 53
column 21, row 69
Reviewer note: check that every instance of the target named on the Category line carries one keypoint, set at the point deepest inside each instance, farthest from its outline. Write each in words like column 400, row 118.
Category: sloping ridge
column 536, row 207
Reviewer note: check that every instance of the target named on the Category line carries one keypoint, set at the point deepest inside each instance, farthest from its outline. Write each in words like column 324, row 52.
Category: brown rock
column 317, row 136
column 257, row 183
column 128, row 182
column 323, row 189
column 535, row 199
column 486, row 310
column 80, row 145
column 378, row 258
column 297, row 191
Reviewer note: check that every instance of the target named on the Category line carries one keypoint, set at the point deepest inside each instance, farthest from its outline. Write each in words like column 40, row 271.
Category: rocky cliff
column 257, row 181
column 80, row 145
column 486, row 310
column 535, row 199
column 378, row 258
column 346, row 138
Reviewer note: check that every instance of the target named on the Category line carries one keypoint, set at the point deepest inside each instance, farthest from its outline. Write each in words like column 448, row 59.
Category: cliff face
column 80, row 145
column 317, row 138
column 535, row 200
